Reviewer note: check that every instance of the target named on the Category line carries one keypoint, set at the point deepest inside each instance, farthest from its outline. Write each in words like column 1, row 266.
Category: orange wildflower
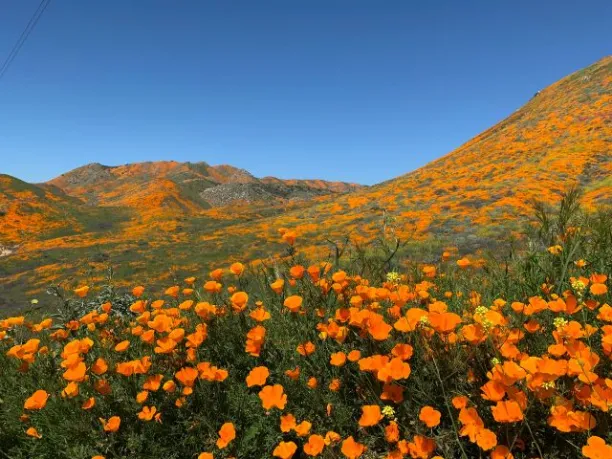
column 430, row 416
column 352, row 449
column 285, row 450
column 257, row 376
column 226, row 434
column 37, row 400
column 273, row 396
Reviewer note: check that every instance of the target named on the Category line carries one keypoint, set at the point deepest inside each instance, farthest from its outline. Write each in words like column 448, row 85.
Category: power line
column 24, row 36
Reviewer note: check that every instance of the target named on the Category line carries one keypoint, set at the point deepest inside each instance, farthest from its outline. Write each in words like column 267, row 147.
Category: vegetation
column 363, row 355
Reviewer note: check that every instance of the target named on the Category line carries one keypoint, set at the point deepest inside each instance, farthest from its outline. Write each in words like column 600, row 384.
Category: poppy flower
column 421, row 447
column 257, row 376
column 370, row 415
column 596, row 448
column 81, row 292
column 71, row 390
column 598, row 289
column 172, row 291
column 112, row 424
column 239, row 301
column 236, row 268
column 430, row 416
column 285, row 450
column 306, row 349
column 32, row 432
column 226, row 434
column 352, row 449
column 99, row 367
column 187, row 376
column 507, row 411
column 277, row 285
column 463, row 262
column 259, row 315
column 122, row 346
column 315, row 445
column 287, row 423
column 206, row 456
column 338, row 359
column 501, row 452
column 293, row 303
column 273, row 396
column 88, row 404
column 297, row 271
column 37, row 400
column 147, row 413
column 138, row 291
column 334, row 385
column 486, row 439
column 303, row 428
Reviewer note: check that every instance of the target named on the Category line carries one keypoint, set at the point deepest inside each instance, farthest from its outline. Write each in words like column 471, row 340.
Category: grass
column 387, row 350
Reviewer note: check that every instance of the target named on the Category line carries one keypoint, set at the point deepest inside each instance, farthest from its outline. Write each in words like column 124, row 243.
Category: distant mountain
column 186, row 187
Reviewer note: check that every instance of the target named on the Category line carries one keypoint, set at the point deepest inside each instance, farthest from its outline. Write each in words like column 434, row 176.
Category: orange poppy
column 315, row 445
column 596, row 448
column 226, row 434
column 293, row 303
column 37, row 400
column 421, row 447
column 285, row 450
column 112, row 425
column 81, row 292
column 122, row 346
column 370, row 415
column 239, row 301
column 306, row 349
column 277, row 285
column 236, row 269
column 352, row 449
column 287, row 423
column 273, row 396
column 88, row 404
column 187, row 376
column 257, row 376
column 32, row 432
column 338, row 359
column 147, row 413
column 392, row 433
column 430, row 416
column 303, row 428
column 297, row 271
column 507, row 411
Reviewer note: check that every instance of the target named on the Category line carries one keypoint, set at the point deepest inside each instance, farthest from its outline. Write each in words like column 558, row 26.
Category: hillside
column 132, row 216
column 33, row 212
column 483, row 190
column 169, row 218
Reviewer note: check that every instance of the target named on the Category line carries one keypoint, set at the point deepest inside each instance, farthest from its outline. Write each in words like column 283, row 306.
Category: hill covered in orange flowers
column 484, row 189
column 141, row 217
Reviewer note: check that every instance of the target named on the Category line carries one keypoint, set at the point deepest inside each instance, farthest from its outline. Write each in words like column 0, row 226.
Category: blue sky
column 356, row 90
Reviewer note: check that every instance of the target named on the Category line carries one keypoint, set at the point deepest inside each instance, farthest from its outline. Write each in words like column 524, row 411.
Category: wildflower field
column 358, row 356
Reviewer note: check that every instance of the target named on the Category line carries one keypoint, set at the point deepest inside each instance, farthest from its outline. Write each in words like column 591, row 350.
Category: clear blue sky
column 346, row 90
